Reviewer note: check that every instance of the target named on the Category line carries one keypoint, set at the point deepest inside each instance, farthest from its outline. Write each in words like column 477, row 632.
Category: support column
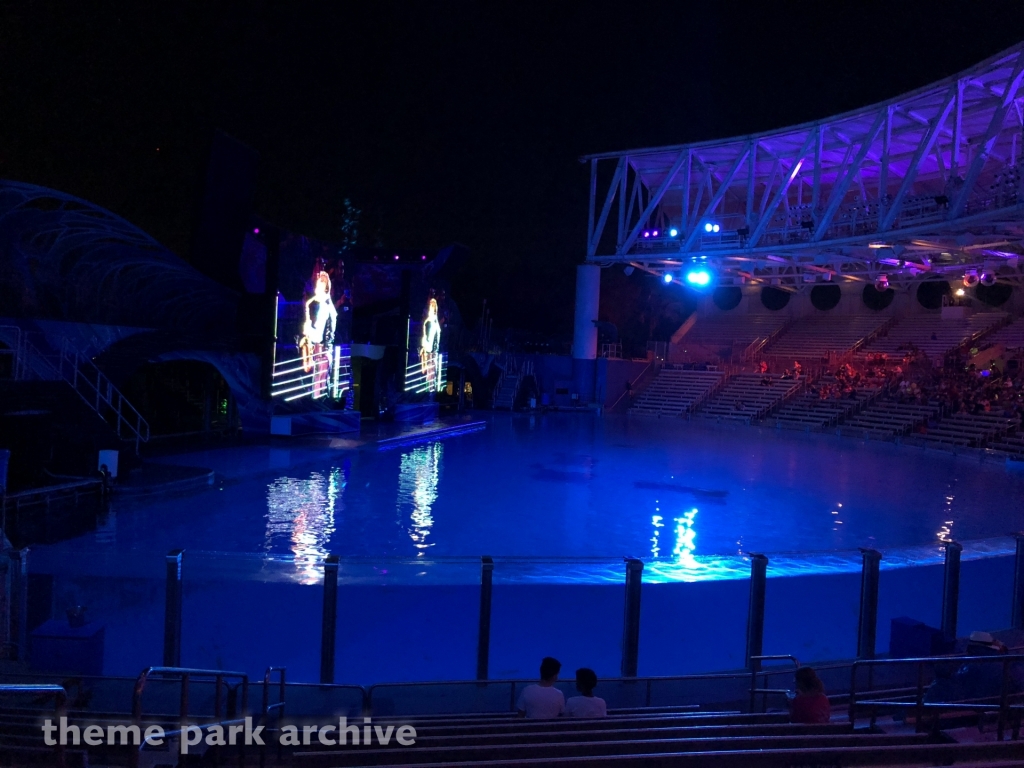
column 868, row 622
column 1017, row 613
column 631, row 619
column 588, row 300
column 483, row 646
column 172, row 609
column 755, row 610
column 330, row 619
column 951, row 590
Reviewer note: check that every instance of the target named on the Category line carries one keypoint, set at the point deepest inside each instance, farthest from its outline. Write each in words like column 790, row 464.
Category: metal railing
column 11, row 335
column 1001, row 702
column 184, row 675
column 755, row 670
column 98, row 391
column 277, row 707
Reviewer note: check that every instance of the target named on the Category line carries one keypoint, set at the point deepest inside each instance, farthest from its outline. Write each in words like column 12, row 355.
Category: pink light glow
column 256, row 231
column 396, row 257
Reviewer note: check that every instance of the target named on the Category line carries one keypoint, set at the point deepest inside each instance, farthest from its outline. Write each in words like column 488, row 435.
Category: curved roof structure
column 63, row 258
column 926, row 183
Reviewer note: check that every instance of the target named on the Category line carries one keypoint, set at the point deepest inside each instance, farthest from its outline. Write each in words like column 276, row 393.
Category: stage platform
column 314, row 423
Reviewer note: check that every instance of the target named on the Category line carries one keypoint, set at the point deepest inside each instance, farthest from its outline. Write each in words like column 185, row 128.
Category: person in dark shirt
column 810, row 705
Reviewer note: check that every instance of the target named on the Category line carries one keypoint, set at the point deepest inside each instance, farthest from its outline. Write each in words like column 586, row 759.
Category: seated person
column 587, row 705
column 810, row 705
column 543, row 700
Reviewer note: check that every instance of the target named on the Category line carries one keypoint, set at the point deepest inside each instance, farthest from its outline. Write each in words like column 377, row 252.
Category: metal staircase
column 507, row 388
column 81, row 374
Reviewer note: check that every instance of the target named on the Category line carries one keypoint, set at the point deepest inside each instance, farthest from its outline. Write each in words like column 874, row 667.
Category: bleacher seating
column 886, row 418
column 1010, row 336
column 931, row 334
column 814, row 337
column 733, row 330
column 674, row 392
column 973, row 430
column 808, row 411
column 745, row 397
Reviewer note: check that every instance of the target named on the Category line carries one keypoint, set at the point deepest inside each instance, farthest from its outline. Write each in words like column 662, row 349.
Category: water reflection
column 417, row 490
column 302, row 512
column 686, row 538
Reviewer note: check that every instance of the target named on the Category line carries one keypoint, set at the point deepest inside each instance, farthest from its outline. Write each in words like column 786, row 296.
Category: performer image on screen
column 321, row 321
column 430, row 348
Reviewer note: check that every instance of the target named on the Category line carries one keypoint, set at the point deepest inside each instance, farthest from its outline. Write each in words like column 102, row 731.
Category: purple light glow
column 655, row 233
column 647, row 234
column 423, row 257
column 396, row 257
column 256, row 231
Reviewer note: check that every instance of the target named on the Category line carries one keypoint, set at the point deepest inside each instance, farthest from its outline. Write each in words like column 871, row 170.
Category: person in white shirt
column 587, row 705
column 543, row 700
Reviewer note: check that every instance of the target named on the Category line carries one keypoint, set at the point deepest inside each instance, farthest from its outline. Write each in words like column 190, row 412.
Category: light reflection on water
column 418, row 476
column 302, row 512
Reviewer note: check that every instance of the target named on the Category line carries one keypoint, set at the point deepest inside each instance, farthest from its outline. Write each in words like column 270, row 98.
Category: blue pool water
column 688, row 498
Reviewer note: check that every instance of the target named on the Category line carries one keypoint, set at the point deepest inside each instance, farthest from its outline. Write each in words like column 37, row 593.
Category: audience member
column 587, row 705
column 810, row 705
column 543, row 700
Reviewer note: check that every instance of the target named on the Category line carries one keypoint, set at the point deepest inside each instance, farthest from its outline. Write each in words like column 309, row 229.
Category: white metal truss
column 929, row 183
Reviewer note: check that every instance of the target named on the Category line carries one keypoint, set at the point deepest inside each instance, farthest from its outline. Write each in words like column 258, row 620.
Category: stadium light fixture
column 654, row 233
column 960, row 291
column 698, row 277
column 673, row 232
column 970, row 278
column 988, row 278
column 882, row 283
column 667, row 278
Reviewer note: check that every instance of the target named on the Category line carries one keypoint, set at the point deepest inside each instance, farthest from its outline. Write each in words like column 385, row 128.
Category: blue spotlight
column 698, row 278
column 673, row 232
column 708, row 227
column 716, row 228
column 667, row 277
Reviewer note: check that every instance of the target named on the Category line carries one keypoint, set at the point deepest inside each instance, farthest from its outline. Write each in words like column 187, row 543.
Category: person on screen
column 543, row 700
column 430, row 348
column 587, row 704
column 321, row 320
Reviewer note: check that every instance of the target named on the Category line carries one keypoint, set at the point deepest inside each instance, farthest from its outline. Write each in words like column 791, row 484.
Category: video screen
column 427, row 366
column 314, row 351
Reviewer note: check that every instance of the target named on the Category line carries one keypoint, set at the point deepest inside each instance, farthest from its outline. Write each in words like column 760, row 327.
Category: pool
column 552, row 490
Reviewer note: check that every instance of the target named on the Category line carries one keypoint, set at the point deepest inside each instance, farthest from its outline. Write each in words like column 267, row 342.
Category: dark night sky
column 444, row 121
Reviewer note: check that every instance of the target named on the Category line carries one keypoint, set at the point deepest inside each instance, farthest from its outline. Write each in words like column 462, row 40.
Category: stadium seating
column 808, row 411
column 932, row 335
column 812, row 338
column 745, row 397
column 674, row 392
column 726, row 332
column 1010, row 336
column 886, row 418
column 970, row 430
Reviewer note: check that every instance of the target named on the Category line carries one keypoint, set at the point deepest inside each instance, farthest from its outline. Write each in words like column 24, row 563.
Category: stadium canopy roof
column 928, row 183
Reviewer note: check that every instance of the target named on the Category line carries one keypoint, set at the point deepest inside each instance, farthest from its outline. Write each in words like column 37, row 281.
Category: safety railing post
column 1017, row 614
column 868, row 620
column 172, row 609
column 328, row 629
column 483, row 646
column 631, row 618
column 951, row 590
column 755, row 610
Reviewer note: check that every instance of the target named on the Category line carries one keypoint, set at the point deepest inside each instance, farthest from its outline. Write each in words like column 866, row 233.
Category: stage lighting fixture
column 647, row 233
column 698, row 277
column 970, row 278
column 960, row 291
column 654, row 233
column 673, row 232
column 667, row 277
column 396, row 257
column 882, row 283
column 628, row 270
column 988, row 278
column 256, row 230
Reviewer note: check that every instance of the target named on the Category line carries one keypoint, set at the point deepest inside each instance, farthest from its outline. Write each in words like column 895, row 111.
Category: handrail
column 17, row 358
column 920, row 705
column 60, row 697
column 755, row 670
column 646, row 368
column 101, row 391
column 184, row 675
column 278, row 707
